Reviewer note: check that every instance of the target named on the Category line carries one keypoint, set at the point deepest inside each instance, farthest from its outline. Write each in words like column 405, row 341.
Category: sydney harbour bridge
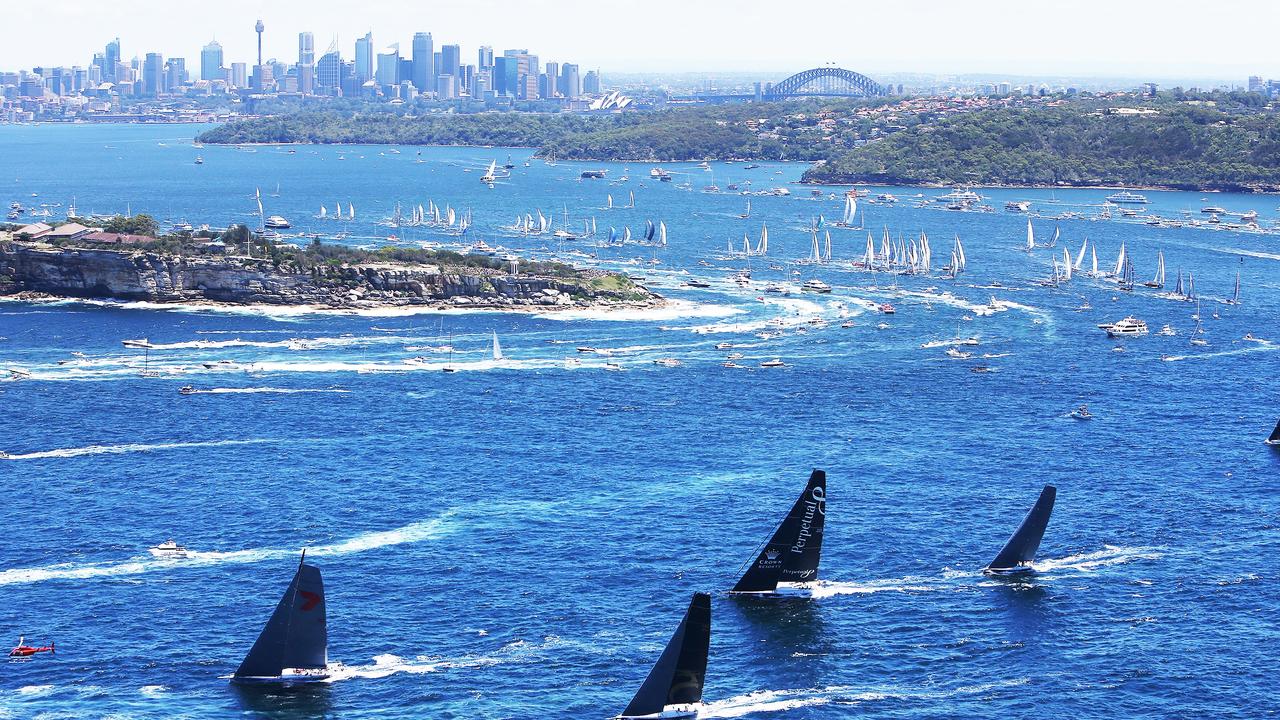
column 815, row 82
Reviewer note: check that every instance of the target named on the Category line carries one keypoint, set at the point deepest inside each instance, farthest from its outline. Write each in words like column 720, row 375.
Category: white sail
column 1235, row 297
column 850, row 209
column 451, row 217
column 1031, row 236
column 497, row 348
column 662, row 233
column 1119, row 261
column 814, row 254
column 763, row 246
column 337, row 210
column 1158, row 280
column 1066, row 263
column 626, row 234
column 746, row 244
column 632, row 202
column 869, row 258
column 1080, row 255
column 609, row 202
column 960, row 253
column 1093, row 252
column 351, row 211
column 828, row 246
column 324, row 211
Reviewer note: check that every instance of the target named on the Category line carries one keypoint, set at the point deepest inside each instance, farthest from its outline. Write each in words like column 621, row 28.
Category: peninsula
column 320, row 276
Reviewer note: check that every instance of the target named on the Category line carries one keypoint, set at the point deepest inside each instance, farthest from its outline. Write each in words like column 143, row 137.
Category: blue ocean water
column 518, row 540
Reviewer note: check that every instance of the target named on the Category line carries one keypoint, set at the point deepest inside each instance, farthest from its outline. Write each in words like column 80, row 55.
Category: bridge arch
column 825, row 81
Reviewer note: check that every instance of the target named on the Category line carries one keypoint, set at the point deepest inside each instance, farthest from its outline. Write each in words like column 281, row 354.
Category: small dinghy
column 1081, row 413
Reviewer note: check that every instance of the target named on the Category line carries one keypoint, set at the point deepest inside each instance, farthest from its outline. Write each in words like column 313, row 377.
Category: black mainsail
column 1275, row 435
column 1018, row 553
column 295, row 638
column 677, row 677
column 793, row 553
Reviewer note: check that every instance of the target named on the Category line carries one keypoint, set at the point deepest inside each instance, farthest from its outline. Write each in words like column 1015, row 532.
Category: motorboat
column 774, row 363
column 140, row 344
column 958, row 354
column 731, row 364
column 887, row 309
column 667, row 362
column 1081, row 413
column 1128, row 327
column 187, row 390
column 1167, row 331
column 695, row 283
column 1017, row 206
column 169, row 549
column 1126, row 197
column 816, row 285
column 275, row 222
column 1213, row 210
column 960, row 195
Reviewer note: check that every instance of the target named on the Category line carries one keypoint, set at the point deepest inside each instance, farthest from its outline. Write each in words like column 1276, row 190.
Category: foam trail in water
column 412, row 533
column 282, row 391
column 127, row 448
column 388, row 664
column 1256, row 346
column 1109, row 555
column 672, row 310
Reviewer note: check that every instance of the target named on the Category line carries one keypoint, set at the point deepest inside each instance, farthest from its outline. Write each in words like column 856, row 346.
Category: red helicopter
column 23, row 650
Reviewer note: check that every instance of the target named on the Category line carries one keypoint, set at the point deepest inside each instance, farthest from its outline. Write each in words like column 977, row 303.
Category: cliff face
column 93, row 273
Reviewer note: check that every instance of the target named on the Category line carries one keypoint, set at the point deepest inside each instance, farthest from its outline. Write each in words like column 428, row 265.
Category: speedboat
column 1081, row 413
column 1167, row 330
column 1124, row 196
column 695, row 283
column 169, row 549
column 667, row 362
column 4, row 455
column 724, row 345
column 140, row 343
column 776, row 362
column 187, row 390
column 958, row 354
column 887, row 309
column 1128, row 327
column 730, row 364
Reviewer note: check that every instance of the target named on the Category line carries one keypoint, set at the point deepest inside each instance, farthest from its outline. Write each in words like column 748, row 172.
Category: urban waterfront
column 516, row 539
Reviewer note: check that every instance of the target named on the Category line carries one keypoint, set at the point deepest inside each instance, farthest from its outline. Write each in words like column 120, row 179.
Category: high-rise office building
column 424, row 66
column 364, row 58
column 591, row 83
column 446, row 87
column 211, row 62
column 175, row 74
column 549, row 82
column 521, row 74
column 306, row 48
column 484, row 58
column 450, row 60
column 329, row 73
column 388, row 72
column 110, row 59
column 153, row 74
column 498, row 76
column 570, row 82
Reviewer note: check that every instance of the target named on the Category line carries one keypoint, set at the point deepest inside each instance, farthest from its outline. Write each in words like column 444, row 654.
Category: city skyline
column 1088, row 38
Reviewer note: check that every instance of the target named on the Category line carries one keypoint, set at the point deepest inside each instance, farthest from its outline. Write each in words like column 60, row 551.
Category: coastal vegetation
column 1214, row 140
column 1174, row 146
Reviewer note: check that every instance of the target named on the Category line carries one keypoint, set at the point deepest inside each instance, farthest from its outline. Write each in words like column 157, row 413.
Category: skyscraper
column 306, row 48
column 424, row 70
column 153, row 74
column 484, row 59
column 364, row 58
column 450, row 60
column 175, row 74
column 551, row 86
column 239, row 75
column 498, row 76
column 388, row 72
column 591, row 83
column 211, row 62
column 110, row 59
column 570, row 82
column 329, row 73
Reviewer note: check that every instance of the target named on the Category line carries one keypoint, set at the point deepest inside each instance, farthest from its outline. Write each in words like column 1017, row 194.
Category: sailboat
column 1020, row 550
column 850, row 211
column 792, row 554
column 1157, row 282
column 1197, row 335
column 1119, row 262
column 826, row 256
column 1235, row 297
column 746, row 213
column 673, row 688
column 1031, row 237
column 1274, row 440
column 662, row 233
column 293, row 646
column 608, row 205
column 632, row 202
column 351, row 211
column 490, row 175
column 497, row 348
column 762, row 247
column 1080, row 255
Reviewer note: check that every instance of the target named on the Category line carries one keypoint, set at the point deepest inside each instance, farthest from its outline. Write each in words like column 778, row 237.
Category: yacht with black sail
column 1018, row 553
column 1274, row 440
column 793, row 552
column 293, row 646
column 673, row 688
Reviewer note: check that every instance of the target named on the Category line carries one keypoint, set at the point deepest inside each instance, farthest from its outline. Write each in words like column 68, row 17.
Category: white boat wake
column 389, row 664
column 128, row 448
column 421, row 531
column 1088, row 562
column 783, row 701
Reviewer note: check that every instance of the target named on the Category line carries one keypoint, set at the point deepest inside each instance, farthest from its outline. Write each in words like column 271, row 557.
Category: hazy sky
column 1170, row 38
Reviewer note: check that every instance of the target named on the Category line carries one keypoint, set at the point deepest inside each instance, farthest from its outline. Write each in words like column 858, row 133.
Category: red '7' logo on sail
column 310, row 600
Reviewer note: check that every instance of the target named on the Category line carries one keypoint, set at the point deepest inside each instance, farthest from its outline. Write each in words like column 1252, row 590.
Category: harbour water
column 518, row 539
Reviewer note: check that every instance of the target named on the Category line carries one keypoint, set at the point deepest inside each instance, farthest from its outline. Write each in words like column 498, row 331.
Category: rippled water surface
column 518, row 539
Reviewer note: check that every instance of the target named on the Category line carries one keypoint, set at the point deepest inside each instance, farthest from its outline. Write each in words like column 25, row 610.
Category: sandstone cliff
column 123, row 275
